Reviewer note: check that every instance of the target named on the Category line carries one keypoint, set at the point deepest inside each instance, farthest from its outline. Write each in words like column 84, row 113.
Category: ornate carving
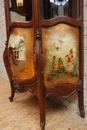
column 7, row 64
column 16, row 87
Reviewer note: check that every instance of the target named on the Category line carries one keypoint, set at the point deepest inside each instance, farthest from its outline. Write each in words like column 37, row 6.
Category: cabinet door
column 61, row 41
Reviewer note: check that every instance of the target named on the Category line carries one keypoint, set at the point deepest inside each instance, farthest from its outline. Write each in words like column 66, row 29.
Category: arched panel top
column 21, row 24
column 61, row 19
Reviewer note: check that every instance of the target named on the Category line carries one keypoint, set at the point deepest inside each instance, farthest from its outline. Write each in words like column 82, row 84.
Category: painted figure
column 12, row 55
column 69, row 62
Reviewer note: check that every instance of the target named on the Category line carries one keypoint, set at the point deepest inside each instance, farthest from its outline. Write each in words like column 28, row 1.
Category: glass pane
column 16, row 17
column 20, row 11
column 20, row 51
column 54, row 8
column 61, row 54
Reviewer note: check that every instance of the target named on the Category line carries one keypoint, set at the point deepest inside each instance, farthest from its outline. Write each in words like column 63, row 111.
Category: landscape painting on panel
column 61, row 54
column 20, row 51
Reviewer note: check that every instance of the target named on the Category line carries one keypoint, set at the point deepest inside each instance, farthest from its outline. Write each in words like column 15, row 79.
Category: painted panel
column 20, row 49
column 61, row 54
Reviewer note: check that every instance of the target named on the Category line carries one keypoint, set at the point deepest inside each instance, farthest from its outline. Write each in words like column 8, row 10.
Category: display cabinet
column 44, row 50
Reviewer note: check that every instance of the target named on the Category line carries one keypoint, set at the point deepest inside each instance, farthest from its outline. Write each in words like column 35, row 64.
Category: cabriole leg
column 81, row 103
column 12, row 93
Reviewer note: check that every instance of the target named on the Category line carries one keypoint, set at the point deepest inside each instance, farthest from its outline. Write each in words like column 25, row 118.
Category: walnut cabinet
column 44, row 49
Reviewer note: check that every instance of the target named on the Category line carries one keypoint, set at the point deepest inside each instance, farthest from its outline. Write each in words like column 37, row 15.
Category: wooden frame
column 36, row 83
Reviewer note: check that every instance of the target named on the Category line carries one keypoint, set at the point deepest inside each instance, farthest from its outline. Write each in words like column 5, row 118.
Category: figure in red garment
column 11, row 54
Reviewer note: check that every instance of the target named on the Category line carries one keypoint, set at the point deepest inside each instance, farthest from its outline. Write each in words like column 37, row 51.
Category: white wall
column 85, row 55
column 2, row 38
column 71, row 102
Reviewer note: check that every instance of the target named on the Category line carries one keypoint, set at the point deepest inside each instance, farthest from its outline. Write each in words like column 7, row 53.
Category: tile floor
column 23, row 113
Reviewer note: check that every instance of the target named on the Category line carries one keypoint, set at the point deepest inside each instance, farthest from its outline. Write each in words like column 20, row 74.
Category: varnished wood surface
column 35, row 60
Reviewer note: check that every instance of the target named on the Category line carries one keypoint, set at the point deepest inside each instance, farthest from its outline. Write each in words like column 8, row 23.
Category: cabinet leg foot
column 81, row 103
column 42, row 113
column 42, row 125
column 82, row 114
column 11, row 99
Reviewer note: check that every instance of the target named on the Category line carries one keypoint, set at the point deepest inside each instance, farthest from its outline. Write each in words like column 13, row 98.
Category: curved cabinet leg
column 12, row 93
column 9, row 72
column 81, row 103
